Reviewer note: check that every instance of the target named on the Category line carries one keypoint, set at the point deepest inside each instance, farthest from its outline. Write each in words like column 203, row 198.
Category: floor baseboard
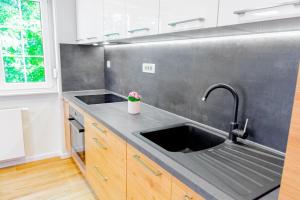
column 65, row 155
column 28, row 159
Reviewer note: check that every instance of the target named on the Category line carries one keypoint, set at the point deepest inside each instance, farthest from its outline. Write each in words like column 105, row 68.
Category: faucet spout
column 233, row 124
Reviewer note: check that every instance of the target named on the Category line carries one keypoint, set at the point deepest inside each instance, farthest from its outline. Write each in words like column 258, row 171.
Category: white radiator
column 11, row 134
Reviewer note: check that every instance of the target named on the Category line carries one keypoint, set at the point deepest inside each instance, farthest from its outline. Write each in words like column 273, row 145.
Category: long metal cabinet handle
column 186, row 21
column 244, row 11
column 90, row 38
column 104, row 178
column 99, row 144
column 111, row 34
column 99, row 129
column 138, row 159
column 138, row 29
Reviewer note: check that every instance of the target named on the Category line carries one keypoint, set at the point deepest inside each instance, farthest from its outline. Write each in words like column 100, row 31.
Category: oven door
column 77, row 141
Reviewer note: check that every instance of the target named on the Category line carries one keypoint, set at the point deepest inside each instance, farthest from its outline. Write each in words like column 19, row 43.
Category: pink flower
column 134, row 94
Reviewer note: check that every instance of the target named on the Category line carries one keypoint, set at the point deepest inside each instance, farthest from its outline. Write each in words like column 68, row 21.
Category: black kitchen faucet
column 234, row 131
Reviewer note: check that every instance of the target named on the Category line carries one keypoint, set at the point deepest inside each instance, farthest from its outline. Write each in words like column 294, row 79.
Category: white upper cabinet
column 102, row 20
column 243, row 11
column 177, row 15
column 89, row 21
column 80, row 7
column 114, row 19
column 142, row 17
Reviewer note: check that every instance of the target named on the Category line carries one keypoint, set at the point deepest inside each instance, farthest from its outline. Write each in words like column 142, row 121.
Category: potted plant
column 134, row 103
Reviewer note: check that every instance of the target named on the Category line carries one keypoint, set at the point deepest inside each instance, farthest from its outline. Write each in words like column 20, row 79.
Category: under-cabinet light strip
column 206, row 39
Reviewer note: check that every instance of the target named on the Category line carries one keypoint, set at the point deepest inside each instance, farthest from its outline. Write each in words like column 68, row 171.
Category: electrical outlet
column 149, row 68
column 108, row 64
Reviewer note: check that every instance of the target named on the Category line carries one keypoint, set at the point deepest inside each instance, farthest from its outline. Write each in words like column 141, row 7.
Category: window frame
column 48, row 83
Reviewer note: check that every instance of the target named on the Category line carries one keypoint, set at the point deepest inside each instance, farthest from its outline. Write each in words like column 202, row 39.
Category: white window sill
column 8, row 93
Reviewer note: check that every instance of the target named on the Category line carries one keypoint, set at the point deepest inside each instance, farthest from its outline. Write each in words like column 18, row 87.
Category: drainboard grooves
column 248, row 161
column 254, row 152
column 252, row 157
column 236, row 159
column 235, row 186
column 242, row 166
column 232, row 169
column 246, row 177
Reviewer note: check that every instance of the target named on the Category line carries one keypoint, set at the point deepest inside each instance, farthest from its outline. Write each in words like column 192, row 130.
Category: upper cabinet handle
column 186, row 21
column 111, row 34
column 138, row 29
column 90, row 38
column 244, row 11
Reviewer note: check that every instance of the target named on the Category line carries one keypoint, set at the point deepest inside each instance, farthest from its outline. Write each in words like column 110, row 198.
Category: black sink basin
column 186, row 138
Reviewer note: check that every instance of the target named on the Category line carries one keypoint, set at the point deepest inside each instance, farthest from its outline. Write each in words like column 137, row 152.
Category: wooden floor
column 52, row 179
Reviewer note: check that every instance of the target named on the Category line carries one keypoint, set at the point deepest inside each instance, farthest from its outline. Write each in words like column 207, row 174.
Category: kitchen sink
column 184, row 138
column 242, row 171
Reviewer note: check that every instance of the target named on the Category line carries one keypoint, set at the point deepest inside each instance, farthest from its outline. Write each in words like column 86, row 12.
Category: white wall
column 41, row 123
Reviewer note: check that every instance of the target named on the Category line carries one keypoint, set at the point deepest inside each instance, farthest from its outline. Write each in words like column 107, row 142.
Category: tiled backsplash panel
column 262, row 68
column 82, row 67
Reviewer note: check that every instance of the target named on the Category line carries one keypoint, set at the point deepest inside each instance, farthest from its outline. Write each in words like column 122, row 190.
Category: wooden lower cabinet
column 117, row 171
column 290, row 183
column 182, row 192
column 145, row 179
column 67, row 127
column 105, row 161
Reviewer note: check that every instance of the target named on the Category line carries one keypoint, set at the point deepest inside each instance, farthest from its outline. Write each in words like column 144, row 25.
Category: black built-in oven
column 77, row 136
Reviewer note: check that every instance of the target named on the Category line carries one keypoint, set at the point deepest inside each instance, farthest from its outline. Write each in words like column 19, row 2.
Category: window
column 23, row 53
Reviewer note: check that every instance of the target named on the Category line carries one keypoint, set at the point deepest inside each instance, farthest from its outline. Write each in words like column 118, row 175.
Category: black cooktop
column 100, row 98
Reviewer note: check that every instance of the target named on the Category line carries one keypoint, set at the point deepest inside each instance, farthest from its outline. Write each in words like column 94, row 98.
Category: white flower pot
column 134, row 107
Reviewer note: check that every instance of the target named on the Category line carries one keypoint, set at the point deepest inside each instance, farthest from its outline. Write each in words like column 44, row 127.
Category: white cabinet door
column 177, row 15
column 243, row 11
column 114, row 19
column 89, row 20
column 142, row 17
column 80, row 25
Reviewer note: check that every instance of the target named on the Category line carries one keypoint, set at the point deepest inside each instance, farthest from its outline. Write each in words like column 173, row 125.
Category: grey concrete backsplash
column 82, row 67
column 262, row 68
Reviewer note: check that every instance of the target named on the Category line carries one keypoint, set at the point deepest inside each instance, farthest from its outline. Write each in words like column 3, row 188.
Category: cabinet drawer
column 145, row 179
column 104, row 140
column 107, row 180
column 182, row 192
column 237, row 11
column 96, row 127
column 109, row 150
column 105, row 161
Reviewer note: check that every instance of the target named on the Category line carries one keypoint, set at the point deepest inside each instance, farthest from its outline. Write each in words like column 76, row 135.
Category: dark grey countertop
column 116, row 118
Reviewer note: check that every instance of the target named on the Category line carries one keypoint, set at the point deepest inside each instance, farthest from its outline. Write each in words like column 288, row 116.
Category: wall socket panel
column 149, row 68
column 108, row 64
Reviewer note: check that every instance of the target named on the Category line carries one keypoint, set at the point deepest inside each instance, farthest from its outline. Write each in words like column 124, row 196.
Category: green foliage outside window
column 21, row 41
